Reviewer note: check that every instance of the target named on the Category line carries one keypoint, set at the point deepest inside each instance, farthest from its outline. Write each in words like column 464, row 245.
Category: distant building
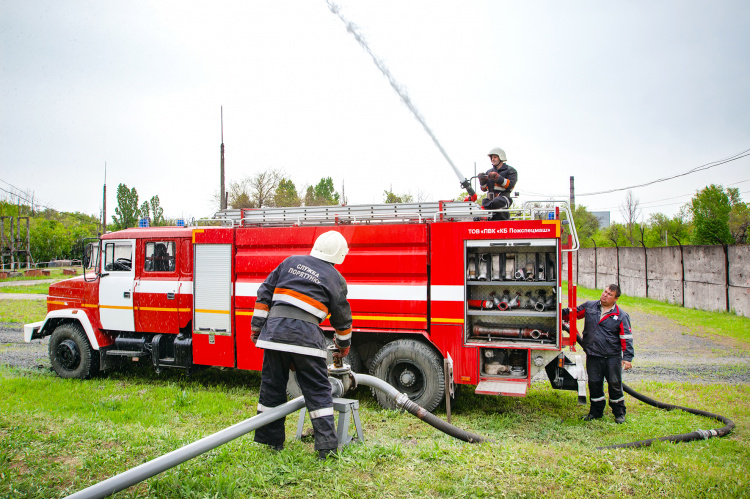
column 603, row 217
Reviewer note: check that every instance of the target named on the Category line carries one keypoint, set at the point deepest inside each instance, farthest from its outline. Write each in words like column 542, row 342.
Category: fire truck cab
column 439, row 295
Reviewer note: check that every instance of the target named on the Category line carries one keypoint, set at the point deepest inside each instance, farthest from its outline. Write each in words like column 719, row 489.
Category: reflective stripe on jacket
column 309, row 284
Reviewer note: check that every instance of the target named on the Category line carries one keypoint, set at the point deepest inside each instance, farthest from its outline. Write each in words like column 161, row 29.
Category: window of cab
column 160, row 256
column 118, row 256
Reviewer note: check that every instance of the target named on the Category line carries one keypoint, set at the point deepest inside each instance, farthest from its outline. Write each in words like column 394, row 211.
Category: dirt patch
column 668, row 351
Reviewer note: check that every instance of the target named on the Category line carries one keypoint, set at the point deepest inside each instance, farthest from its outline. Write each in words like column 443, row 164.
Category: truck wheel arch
column 57, row 318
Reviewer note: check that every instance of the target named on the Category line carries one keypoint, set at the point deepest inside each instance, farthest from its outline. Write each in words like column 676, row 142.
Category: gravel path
column 665, row 351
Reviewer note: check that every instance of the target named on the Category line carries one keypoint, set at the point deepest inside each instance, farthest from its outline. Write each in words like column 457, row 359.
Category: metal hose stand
column 163, row 463
column 685, row 437
column 402, row 400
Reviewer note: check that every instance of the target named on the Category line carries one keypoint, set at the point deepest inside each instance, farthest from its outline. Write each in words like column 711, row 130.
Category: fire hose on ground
column 684, row 437
column 179, row 456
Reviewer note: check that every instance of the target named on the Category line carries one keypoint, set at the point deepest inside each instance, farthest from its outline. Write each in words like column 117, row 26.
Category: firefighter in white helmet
column 498, row 182
column 294, row 299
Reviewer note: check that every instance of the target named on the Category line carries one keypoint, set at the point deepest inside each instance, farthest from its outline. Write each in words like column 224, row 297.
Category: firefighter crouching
column 294, row 299
column 498, row 182
column 608, row 343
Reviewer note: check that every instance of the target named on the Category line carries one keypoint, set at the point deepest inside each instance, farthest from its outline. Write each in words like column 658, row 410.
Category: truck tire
column 71, row 354
column 412, row 368
column 292, row 387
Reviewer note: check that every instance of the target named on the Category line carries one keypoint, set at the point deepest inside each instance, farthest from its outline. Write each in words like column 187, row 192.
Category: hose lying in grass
column 684, row 437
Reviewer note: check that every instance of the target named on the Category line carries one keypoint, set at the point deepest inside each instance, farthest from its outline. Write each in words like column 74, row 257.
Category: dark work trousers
column 497, row 202
column 599, row 369
column 312, row 376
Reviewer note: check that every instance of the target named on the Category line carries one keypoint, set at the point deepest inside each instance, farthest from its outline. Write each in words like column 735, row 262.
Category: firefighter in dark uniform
column 498, row 182
column 294, row 299
column 608, row 343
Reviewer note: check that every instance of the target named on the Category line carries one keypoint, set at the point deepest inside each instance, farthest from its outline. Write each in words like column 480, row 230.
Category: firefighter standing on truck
column 498, row 182
column 608, row 343
column 294, row 299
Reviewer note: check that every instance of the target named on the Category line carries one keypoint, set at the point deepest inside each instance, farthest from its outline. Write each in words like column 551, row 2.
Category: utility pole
column 222, row 194
column 572, row 193
column 104, row 201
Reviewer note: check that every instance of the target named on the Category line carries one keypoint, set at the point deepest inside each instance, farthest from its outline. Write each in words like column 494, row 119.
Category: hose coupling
column 706, row 434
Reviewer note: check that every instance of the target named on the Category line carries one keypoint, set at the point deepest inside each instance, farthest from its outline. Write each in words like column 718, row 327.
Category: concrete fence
column 702, row 277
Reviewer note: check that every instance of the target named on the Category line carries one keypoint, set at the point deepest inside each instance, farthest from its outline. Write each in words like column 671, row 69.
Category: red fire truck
column 438, row 295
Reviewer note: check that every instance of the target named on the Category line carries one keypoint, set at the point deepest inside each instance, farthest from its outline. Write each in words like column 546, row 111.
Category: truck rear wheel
column 71, row 354
column 412, row 368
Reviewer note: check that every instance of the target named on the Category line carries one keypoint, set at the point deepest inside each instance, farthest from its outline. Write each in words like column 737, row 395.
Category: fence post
column 592, row 240
column 682, row 268
column 726, row 272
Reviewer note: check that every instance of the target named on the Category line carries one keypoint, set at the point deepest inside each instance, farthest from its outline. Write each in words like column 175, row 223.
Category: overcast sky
column 613, row 93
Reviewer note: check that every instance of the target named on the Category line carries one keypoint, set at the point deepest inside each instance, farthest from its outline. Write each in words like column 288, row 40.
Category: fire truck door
column 213, row 341
column 116, row 286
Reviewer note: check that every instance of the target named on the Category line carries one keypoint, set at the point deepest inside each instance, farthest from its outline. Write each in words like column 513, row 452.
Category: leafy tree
column 323, row 194
column 145, row 211
column 157, row 212
column 389, row 197
column 286, row 194
column 586, row 225
column 126, row 211
column 664, row 231
column 739, row 217
column 710, row 209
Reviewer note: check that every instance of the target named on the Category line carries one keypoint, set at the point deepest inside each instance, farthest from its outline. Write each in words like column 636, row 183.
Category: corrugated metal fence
column 702, row 277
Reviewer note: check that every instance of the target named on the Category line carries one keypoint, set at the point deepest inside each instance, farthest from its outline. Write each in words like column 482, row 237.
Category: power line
column 657, row 206
column 706, row 166
column 712, row 164
column 22, row 196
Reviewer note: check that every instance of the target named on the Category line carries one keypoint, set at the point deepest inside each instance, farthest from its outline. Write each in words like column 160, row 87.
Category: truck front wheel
column 412, row 368
column 71, row 354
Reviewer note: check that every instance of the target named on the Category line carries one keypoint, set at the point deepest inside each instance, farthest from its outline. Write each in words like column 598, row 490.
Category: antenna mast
column 104, row 201
column 222, row 194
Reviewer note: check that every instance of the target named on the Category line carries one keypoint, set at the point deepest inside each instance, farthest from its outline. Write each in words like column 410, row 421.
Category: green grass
column 35, row 289
column 55, row 273
column 59, row 436
column 699, row 322
column 22, row 311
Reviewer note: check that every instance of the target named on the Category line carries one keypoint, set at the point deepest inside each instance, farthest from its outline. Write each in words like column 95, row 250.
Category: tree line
column 53, row 235
column 715, row 215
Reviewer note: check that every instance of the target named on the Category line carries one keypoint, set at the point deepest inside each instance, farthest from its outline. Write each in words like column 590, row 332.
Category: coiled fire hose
column 684, row 437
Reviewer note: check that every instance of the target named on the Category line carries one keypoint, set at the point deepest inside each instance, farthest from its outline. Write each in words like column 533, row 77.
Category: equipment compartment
column 504, row 363
column 512, row 292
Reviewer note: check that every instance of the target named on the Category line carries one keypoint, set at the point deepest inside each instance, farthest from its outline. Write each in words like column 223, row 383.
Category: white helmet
column 330, row 247
column 499, row 152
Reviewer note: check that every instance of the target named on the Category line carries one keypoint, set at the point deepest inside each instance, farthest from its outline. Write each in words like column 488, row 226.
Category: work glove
column 482, row 179
column 343, row 352
column 565, row 313
column 254, row 336
column 483, row 187
column 494, row 176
